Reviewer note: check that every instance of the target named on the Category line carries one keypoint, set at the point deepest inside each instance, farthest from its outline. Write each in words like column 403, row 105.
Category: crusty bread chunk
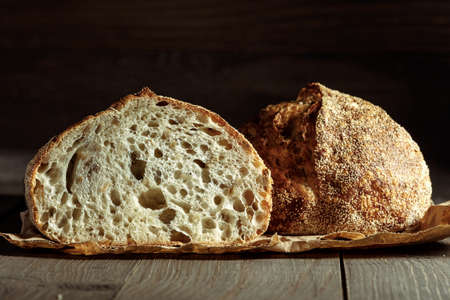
column 339, row 163
column 149, row 170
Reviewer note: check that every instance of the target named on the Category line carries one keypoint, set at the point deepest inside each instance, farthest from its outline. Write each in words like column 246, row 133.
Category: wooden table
column 414, row 272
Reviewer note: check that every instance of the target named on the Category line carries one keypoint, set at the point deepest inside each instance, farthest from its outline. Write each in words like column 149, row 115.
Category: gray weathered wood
column 45, row 276
column 421, row 272
column 250, row 276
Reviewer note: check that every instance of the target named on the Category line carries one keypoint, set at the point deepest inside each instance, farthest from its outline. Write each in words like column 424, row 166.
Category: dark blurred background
column 62, row 60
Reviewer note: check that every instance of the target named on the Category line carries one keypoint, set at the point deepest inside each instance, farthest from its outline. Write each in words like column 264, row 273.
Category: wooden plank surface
column 246, row 276
column 419, row 272
column 40, row 274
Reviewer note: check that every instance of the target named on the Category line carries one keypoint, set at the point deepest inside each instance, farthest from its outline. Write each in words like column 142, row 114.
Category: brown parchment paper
column 434, row 226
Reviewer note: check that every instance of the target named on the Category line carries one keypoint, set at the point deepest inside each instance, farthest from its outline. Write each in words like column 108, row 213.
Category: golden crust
column 91, row 247
column 339, row 163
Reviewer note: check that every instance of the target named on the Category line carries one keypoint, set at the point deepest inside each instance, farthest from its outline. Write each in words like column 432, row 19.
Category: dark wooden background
column 62, row 60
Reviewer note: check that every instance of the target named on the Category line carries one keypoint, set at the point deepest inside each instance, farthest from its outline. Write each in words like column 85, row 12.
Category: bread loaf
column 150, row 170
column 339, row 163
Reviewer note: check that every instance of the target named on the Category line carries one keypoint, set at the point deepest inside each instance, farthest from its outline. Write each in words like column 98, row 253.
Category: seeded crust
column 32, row 195
column 339, row 163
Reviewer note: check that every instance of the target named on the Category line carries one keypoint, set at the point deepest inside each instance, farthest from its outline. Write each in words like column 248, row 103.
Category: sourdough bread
column 150, row 170
column 339, row 163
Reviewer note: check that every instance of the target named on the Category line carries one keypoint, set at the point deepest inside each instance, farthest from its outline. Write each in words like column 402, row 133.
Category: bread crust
column 91, row 246
column 345, row 165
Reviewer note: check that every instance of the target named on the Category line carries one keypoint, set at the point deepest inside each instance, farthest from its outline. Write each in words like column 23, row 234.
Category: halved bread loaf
column 339, row 163
column 149, row 170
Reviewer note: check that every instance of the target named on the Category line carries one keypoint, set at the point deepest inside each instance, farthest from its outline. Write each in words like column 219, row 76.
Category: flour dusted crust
column 339, row 163
column 239, row 214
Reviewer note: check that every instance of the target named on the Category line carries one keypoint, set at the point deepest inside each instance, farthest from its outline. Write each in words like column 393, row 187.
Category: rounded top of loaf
column 361, row 170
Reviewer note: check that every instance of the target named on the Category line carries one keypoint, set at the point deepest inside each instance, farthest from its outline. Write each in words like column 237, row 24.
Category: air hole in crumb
column 227, row 216
column 115, row 121
column 218, row 200
column 199, row 189
column 255, row 206
column 260, row 217
column 146, row 133
column 185, row 229
column 202, row 118
column 224, row 143
column 211, row 131
column 237, row 205
column 249, row 197
column 205, row 176
column 76, row 201
column 200, row 163
column 115, row 197
column 130, row 140
column 173, row 122
column 42, row 167
column 157, row 177
column 172, row 189
column 183, row 192
column 243, row 171
column 76, row 214
column 54, row 173
column 186, row 145
column 64, row 198
column 133, row 127
column 97, row 130
column 185, row 206
column 167, row 215
column 117, row 219
column 179, row 165
column 191, row 152
column 177, row 174
column 250, row 212
column 226, row 234
column 137, row 166
column 177, row 236
column 142, row 147
column 70, row 172
column 153, row 124
column 229, row 177
column 101, row 232
column 204, row 148
column 257, row 163
column 153, row 199
column 208, row 223
column 62, row 222
column 162, row 103
column 158, row 153
column 44, row 217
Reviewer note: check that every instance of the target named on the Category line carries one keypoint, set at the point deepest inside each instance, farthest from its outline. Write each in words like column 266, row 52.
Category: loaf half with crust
column 339, row 163
column 150, row 170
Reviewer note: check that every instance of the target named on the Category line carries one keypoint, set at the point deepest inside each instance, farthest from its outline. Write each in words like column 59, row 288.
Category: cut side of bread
column 149, row 170
column 339, row 163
